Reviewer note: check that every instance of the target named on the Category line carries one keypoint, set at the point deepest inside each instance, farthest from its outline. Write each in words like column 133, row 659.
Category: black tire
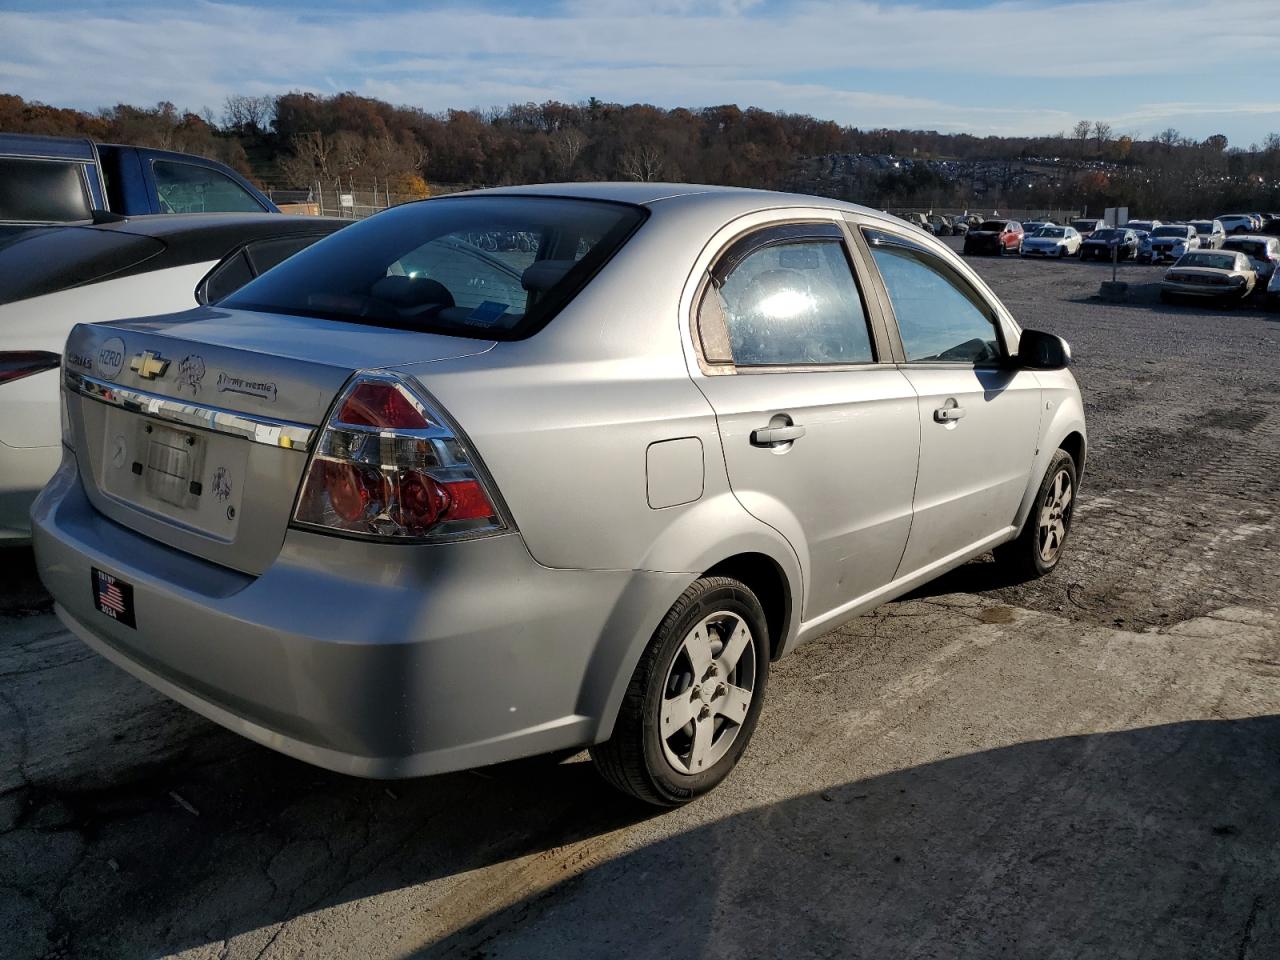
column 633, row 759
column 1023, row 557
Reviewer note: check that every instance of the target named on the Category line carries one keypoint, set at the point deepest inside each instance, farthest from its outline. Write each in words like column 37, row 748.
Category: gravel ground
column 1085, row 766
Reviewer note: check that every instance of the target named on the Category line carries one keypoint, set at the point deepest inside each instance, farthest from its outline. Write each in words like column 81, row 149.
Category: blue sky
column 1006, row 67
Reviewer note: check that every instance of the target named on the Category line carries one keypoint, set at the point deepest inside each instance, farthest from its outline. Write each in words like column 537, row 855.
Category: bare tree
column 567, row 145
column 1101, row 133
column 642, row 163
column 248, row 114
column 1080, row 132
column 1169, row 137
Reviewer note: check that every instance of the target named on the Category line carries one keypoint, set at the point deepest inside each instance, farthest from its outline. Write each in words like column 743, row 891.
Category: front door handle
column 949, row 413
column 776, row 436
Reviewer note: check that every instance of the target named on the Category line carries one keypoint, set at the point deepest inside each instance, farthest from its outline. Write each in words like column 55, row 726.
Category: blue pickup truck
column 47, row 180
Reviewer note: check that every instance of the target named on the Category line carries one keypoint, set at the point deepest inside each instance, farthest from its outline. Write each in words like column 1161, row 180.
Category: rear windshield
column 1084, row 224
column 1143, row 225
column 1170, row 232
column 44, row 260
column 1202, row 226
column 1216, row 260
column 995, row 225
column 495, row 267
column 1107, row 234
column 1253, row 248
column 43, row 191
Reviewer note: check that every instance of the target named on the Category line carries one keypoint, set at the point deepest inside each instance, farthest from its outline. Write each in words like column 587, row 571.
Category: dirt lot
column 1086, row 766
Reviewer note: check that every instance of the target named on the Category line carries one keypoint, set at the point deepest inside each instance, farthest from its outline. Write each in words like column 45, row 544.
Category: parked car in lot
column 1108, row 243
column 1263, row 253
column 939, row 225
column 1272, row 299
column 1086, row 226
column 1210, row 232
column 52, row 278
column 1052, row 242
column 994, row 236
column 1142, row 226
column 1213, row 274
column 918, row 220
column 1168, row 241
column 1030, row 227
column 960, row 225
column 1234, row 223
column 410, row 518
column 46, row 180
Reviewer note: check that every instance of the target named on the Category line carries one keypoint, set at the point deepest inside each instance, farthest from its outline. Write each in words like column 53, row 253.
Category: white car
column 1238, row 222
column 1210, row 232
column 1144, row 226
column 1263, row 253
column 52, row 278
column 1052, row 242
column 1169, row 241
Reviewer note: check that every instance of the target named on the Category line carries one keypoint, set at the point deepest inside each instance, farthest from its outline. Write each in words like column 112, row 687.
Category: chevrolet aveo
column 528, row 470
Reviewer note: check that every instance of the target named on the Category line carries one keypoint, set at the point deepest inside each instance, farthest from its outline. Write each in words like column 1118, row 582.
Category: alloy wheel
column 1055, row 517
column 707, row 693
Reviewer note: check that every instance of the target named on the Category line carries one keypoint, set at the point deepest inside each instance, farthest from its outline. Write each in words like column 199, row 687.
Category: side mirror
column 1043, row 351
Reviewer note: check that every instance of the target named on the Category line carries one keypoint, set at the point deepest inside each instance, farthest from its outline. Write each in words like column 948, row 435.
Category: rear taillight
column 389, row 465
column 16, row 364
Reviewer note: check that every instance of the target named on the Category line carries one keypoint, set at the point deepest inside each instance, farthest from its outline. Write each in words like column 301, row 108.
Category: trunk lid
column 194, row 429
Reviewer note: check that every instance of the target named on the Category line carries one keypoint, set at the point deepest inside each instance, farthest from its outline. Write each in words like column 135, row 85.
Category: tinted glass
column 1107, row 235
column 794, row 302
column 1252, row 248
column 1055, row 233
column 1216, row 260
column 994, row 225
column 187, row 188
column 42, row 191
column 939, row 317
column 228, row 277
column 1169, row 232
column 487, row 267
column 265, row 254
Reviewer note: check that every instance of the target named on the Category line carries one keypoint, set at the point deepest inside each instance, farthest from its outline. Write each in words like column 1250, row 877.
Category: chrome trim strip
column 272, row 433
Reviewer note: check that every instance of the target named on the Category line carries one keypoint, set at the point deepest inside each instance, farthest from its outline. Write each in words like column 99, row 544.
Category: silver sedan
column 534, row 469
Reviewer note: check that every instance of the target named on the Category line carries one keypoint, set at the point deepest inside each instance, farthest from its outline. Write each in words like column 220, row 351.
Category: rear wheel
column 1038, row 548
column 694, row 698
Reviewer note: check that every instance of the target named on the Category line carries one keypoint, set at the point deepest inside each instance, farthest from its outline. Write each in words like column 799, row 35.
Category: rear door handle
column 776, row 436
column 948, row 414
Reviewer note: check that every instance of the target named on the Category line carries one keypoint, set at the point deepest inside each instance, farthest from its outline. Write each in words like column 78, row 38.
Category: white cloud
column 670, row 52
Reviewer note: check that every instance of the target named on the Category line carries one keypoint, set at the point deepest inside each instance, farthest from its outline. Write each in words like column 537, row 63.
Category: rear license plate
column 113, row 596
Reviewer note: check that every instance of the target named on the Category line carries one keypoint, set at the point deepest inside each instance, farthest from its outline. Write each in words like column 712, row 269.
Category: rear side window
column 252, row 260
column 940, row 318
column 188, row 188
column 43, row 191
column 491, row 267
column 793, row 303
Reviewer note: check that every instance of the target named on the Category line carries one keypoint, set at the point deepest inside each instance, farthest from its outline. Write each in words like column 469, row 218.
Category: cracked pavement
column 1083, row 766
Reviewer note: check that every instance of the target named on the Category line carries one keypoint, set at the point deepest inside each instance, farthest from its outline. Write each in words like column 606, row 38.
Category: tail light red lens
column 378, row 403
column 389, row 465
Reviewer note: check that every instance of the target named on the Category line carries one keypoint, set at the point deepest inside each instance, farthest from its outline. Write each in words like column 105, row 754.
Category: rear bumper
column 1212, row 291
column 368, row 659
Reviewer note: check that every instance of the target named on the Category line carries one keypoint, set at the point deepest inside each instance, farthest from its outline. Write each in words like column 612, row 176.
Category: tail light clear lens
column 389, row 465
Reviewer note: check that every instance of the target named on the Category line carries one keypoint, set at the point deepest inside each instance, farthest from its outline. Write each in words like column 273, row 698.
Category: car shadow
column 1155, row 842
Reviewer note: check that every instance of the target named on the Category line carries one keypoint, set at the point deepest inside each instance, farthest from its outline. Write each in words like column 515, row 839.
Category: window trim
column 736, row 250
column 859, row 229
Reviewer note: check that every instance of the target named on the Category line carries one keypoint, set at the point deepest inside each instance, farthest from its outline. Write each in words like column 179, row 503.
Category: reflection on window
column 187, row 188
column 936, row 319
column 795, row 303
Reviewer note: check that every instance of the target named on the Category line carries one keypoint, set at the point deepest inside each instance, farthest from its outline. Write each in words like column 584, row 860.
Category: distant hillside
column 297, row 140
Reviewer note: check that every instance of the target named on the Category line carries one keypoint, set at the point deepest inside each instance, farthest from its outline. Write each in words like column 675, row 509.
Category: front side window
column 793, row 302
column 188, row 188
column 940, row 318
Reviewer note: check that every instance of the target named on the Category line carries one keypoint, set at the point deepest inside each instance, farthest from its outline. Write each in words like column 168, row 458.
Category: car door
column 819, row 428
column 979, row 416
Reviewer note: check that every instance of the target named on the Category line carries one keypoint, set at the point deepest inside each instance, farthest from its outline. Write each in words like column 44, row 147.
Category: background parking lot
column 1084, row 766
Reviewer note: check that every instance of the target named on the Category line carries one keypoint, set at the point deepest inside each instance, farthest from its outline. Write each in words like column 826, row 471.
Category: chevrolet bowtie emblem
column 149, row 365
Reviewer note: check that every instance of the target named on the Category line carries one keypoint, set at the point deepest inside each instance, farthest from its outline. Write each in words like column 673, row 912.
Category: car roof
column 683, row 194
